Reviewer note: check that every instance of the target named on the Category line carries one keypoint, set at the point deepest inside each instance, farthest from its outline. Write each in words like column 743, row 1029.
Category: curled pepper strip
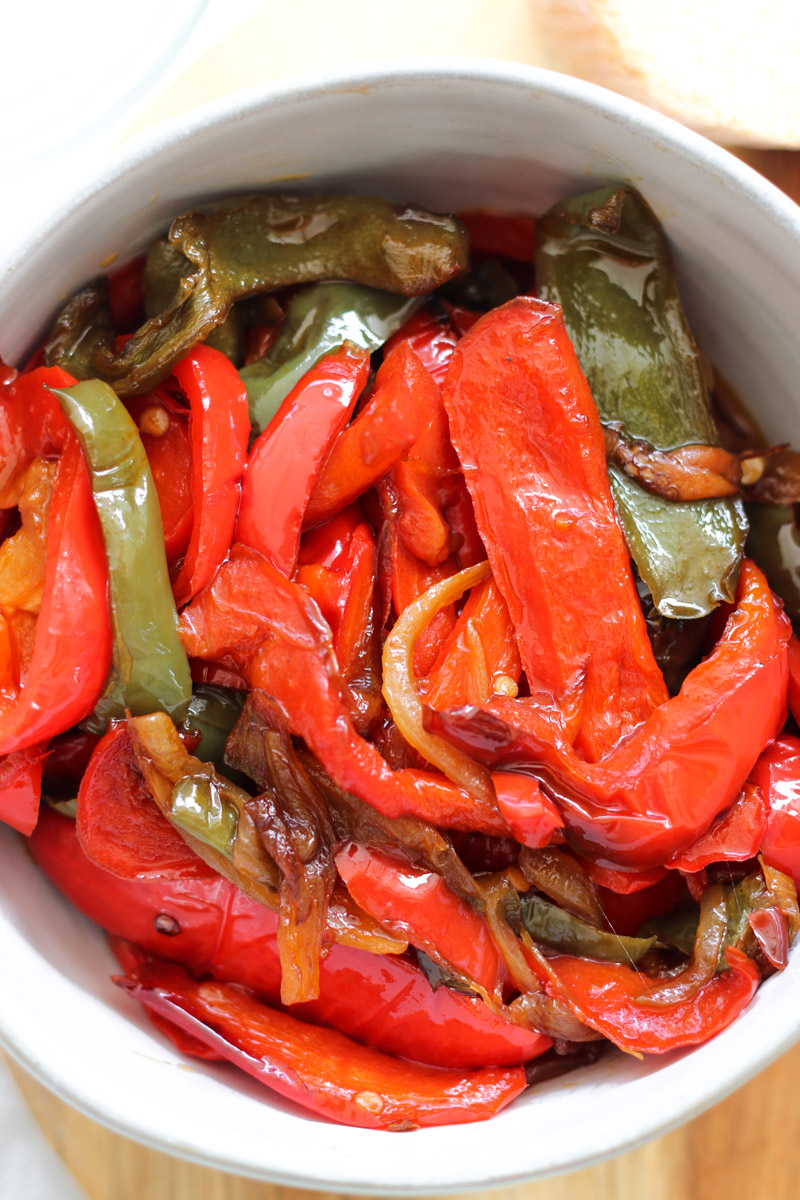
column 387, row 426
column 400, row 685
column 286, row 458
column 608, row 997
column 285, row 240
column 661, row 789
column 530, row 443
column 734, row 837
column 268, row 627
column 220, row 431
column 211, row 927
column 21, row 788
column 418, row 905
column 319, row 1068
column 72, row 642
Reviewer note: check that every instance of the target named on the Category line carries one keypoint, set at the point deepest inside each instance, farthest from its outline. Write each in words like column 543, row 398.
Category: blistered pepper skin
column 257, row 245
column 603, row 257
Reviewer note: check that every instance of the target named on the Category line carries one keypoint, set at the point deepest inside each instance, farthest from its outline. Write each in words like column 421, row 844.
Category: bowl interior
column 448, row 135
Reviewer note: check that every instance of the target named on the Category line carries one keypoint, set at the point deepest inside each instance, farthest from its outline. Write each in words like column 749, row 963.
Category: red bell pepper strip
column 384, row 430
column 119, row 824
column 72, row 645
column 220, row 432
column 426, row 482
column 164, row 430
column 533, row 453
column 32, row 425
column 21, row 788
column 794, row 678
column 772, row 933
column 210, row 927
column 626, row 914
column 618, row 880
column 319, row 1068
column 777, row 774
column 605, row 995
column 404, row 577
column 285, row 460
column 418, row 906
column 479, row 657
column 661, row 789
column 533, row 818
column 506, row 234
column 338, row 566
column 734, row 837
column 431, row 337
column 269, row 628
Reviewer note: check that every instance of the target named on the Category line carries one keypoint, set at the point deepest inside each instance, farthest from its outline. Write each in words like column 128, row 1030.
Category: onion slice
column 401, row 690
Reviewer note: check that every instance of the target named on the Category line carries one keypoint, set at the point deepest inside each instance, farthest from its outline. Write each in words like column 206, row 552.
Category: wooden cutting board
column 743, row 1148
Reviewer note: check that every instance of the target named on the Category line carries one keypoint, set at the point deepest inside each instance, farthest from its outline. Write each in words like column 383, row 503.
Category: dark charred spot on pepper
column 167, row 925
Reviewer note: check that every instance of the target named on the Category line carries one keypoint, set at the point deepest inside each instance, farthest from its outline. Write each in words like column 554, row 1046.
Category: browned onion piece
column 559, row 876
column 694, row 472
column 401, row 691
column 706, row 955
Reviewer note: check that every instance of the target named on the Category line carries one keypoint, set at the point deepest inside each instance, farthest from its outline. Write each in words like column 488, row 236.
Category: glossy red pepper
column 533, row 453
column 777, row 774
column 72, row 644
column 734, row 837
column 384, row 430
column 431, row 337
column 662, row 788
column 164, row 430
column 480, row 655
column 507, row 234
column 21, row 788
column 285, row 460
column 269, row 628
column 119, row 824
column 220, row 431
column 404, row 578
column 793, row 696
column 319, row 1068
column 417, row 905
column 605, row 995
column 337, row 564
column 626, row 913
column 210, row 927
column 32, row 425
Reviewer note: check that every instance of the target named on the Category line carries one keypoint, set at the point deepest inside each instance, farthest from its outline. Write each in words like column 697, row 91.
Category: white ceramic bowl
column 445, row 133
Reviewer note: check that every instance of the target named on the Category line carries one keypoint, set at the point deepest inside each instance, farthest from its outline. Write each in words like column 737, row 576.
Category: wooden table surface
column 744, row 1147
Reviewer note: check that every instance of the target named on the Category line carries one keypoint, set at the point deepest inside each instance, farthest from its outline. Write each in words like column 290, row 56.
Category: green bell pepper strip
column 214, row 711
column 261, row 244
column 603, row 256
column 149, row 668
column 164, row 269
column 774, row 543
column 320, row 320
column 548, row 923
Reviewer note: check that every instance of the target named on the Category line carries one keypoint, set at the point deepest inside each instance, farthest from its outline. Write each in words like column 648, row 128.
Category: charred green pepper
column 258, row 245
column 548, row 923
column 149, row 668
column 320, row 319
column 604, row 258
column 164, row 269
column 213, row 712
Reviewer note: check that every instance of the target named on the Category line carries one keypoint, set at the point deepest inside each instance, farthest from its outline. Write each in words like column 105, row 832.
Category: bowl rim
column 686, row 145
